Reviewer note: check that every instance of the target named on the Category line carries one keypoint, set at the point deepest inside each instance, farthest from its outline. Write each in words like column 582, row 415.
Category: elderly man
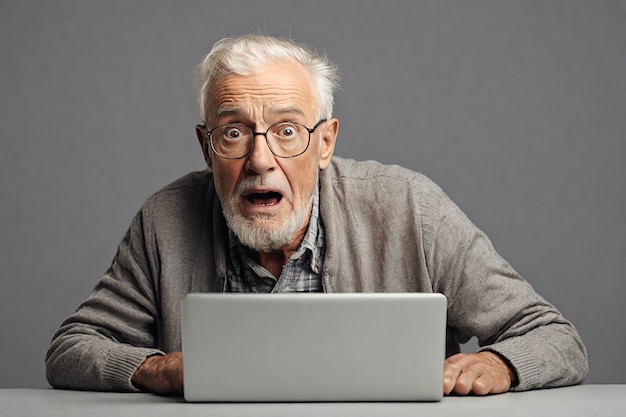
column 276, row 212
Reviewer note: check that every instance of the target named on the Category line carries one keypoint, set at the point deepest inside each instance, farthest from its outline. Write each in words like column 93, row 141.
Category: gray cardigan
column 388, row 229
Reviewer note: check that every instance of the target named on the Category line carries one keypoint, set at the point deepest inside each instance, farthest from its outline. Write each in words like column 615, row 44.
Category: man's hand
column 479, row 373
column 160, row 374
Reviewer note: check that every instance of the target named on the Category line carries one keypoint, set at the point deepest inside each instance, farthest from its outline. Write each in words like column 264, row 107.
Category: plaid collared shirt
column 301, row 273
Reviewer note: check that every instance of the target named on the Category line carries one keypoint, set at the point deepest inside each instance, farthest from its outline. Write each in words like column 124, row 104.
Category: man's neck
column 275, row 260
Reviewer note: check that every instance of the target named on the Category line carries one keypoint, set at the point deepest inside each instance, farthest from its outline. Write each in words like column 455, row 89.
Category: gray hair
column 244, row 55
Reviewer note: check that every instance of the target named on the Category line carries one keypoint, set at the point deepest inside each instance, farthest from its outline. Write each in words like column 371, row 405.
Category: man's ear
column 329, row 138
column 203, row 138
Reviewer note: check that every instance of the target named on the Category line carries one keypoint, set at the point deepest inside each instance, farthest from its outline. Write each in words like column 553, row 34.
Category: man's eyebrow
column 230, row 110
column 283, row 110
column 238, row 111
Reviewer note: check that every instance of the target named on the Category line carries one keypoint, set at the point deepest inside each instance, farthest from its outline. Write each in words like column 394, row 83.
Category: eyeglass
column 284, row 139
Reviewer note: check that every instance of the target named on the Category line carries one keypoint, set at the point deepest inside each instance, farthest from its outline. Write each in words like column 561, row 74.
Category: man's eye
column 287, row 131
column 232, row 133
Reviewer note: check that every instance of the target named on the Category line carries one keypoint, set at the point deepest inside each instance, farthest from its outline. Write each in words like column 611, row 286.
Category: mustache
column 250, row 183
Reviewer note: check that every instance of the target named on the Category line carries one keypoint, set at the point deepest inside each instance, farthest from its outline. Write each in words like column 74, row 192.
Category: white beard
column 261, row 232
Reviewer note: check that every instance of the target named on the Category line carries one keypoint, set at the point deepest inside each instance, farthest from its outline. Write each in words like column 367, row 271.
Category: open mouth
column 264, row 199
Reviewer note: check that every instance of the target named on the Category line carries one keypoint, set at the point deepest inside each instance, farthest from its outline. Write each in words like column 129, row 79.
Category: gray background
column 517, row 109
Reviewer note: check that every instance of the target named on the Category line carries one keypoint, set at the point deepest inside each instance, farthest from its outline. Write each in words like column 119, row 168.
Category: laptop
column 295, row 347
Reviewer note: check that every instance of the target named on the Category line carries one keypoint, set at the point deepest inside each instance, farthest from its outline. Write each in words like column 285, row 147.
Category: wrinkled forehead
column 279, row 87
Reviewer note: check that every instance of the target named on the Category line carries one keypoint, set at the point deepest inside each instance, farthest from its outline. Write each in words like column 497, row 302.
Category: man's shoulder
column 190, row 187
column 364, row 182
column 349, row 169
column 192, row 180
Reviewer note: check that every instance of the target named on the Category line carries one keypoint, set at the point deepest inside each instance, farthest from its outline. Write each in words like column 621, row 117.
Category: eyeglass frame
column 255, row 134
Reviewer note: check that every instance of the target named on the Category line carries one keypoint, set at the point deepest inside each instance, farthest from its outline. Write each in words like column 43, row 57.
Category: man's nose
column 261, row 159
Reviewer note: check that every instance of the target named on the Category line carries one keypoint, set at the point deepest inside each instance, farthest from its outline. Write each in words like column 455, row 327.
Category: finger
column 175, row 372
column 464, row 384
column 453, row 366
column 483, row 385
column 164, row 385
column 481, row 378
column 177, row 379
column 491, row 383
column 461, row 372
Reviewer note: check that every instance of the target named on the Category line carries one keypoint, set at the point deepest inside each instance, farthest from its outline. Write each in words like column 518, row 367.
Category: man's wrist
column 506, row 364
column 141, row 376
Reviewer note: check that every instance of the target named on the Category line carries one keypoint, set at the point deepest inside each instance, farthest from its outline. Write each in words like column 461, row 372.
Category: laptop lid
column 313, row 347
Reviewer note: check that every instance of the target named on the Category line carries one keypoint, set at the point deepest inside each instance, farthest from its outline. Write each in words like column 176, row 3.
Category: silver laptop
column 313, row 347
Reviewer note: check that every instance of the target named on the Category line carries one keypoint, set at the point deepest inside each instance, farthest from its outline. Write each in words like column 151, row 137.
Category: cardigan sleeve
column 104, row 341
column 488, row 299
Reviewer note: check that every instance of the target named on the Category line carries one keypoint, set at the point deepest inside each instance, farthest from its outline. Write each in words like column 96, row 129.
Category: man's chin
column 260, row 240
column 269, row 231
column 261, row 232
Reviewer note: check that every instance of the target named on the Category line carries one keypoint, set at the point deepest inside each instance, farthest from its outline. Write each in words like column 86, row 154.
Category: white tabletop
column 582, row 400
